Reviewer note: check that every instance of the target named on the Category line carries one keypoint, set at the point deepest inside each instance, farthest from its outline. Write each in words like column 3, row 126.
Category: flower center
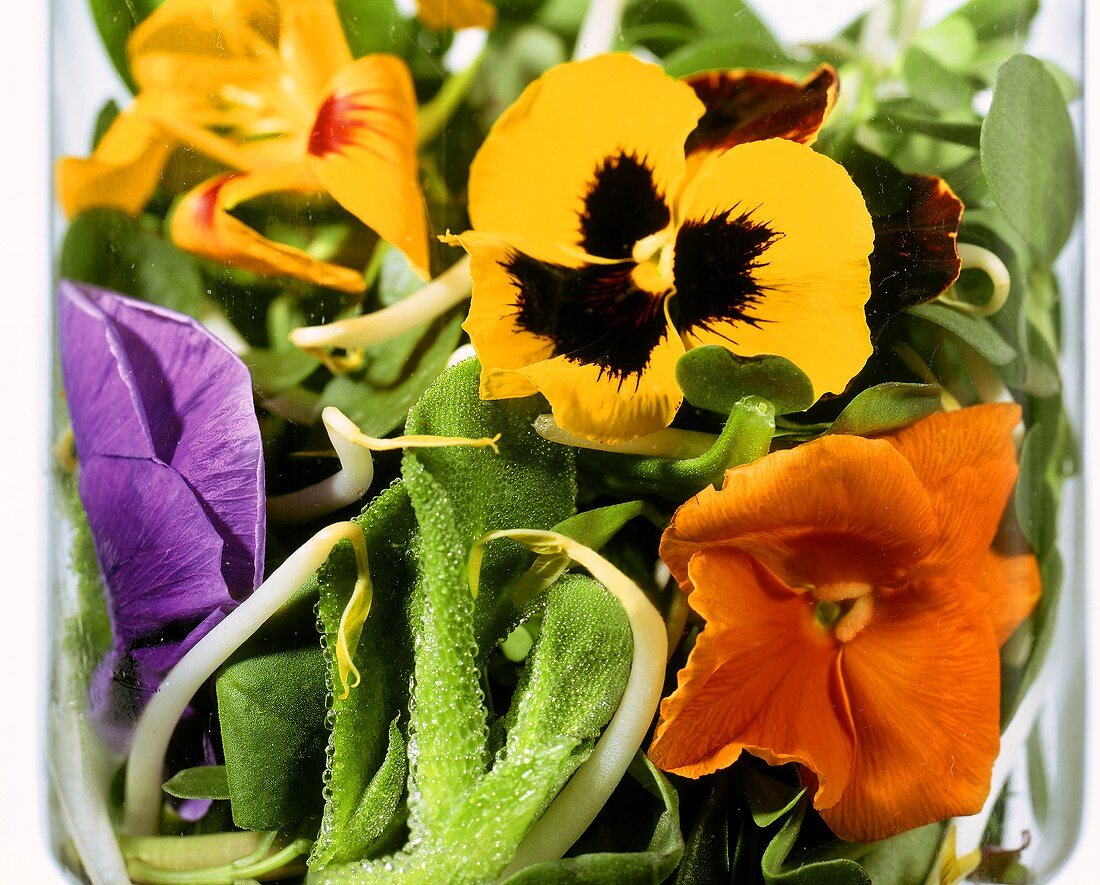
column 845, row 607
column 654, row 257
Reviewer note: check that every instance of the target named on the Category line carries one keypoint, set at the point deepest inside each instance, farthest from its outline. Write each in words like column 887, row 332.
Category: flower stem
column 601, row 23
column 145, row 769
column 578, row 803
column 449, row 289
column 437, row 112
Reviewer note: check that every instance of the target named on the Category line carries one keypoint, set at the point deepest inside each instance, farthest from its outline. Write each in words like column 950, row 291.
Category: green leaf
column 202, row 782
column 397, row 372
column 721, row 17
column 110, row 249
column 1036, row 493
column 967, row 134
column 115, row 20
column 370, row 25
column 746, row 437
column 887, row 407
column 998, row 19
column 779, row 869
column 530, row 484
column 975, row 331
column 707, row 852
column 272, row 713
column 712, row 378
column 653, row 864
column 714, row 53
column 931, row 81
column 1029, row 156
column 367, row 766
column 904, row 859
column 769, row 798
column 952, row 42
column 577, row 671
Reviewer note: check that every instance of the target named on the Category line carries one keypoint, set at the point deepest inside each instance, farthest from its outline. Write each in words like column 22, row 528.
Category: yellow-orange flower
column 854, row 608
column 269, row 89
column 441, row 14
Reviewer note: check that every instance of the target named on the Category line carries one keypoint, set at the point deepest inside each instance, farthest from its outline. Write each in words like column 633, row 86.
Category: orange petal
column 762, row 677
column 442, row 14
column 834, row 509
column 203, row 226
column 923, row 680
column 123, row 171
column 966, row 459
column 1013, row 587
column 363, row 149
column 745, row 105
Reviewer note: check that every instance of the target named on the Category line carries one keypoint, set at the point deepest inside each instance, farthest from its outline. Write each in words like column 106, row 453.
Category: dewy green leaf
column 272, row 712
column 653, row 864
column 887, row 407
column 1029, row 156
column 975, row 331
column 530, row 484
column 712, row 378
column 366, row 752
column 109, row 249
column 202, row 782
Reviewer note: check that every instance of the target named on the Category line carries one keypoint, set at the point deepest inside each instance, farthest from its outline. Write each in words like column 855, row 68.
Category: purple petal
column 194, row 398
column 171, row 478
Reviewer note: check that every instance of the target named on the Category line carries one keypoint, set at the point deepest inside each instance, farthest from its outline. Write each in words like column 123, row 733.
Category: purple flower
column 171, row 478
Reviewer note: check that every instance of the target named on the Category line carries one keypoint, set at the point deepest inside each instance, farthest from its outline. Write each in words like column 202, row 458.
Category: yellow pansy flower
column 269, row 89
column 599, row 254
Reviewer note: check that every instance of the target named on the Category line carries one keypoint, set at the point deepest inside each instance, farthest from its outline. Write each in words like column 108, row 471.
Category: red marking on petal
column 343, row 119
column 206, row 202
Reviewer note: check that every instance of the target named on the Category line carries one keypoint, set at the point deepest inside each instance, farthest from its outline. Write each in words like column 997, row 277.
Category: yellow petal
column 586, row 156
column 599, row 348
column 123, row 171
column 442, row 14
column 312, row 43
column 203, row 226
column 772, row 258
column 363, row 149
column 196, row 46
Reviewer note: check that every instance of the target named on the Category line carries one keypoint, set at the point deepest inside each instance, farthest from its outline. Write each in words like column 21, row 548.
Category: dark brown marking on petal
column 916, row 257
column 744, row 106
column 594, row 314
column 621, row 207
column 714, row 269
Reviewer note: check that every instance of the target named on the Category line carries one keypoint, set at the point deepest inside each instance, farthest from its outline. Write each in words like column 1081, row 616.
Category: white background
column 24, row 281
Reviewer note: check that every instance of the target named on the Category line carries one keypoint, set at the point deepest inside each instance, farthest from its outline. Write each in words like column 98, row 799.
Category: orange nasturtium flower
column 621, row 217
column 269, row 89
column 854, row 607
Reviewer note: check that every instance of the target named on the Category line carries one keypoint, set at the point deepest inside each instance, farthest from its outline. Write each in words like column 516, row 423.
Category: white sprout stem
column 145, row 770
column 1013, row 747
column 977, row 258
column 79, row 768
column 668, row 443
column 448, row 290
column 598, row 28
column 342, row 488
column 577, row 805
